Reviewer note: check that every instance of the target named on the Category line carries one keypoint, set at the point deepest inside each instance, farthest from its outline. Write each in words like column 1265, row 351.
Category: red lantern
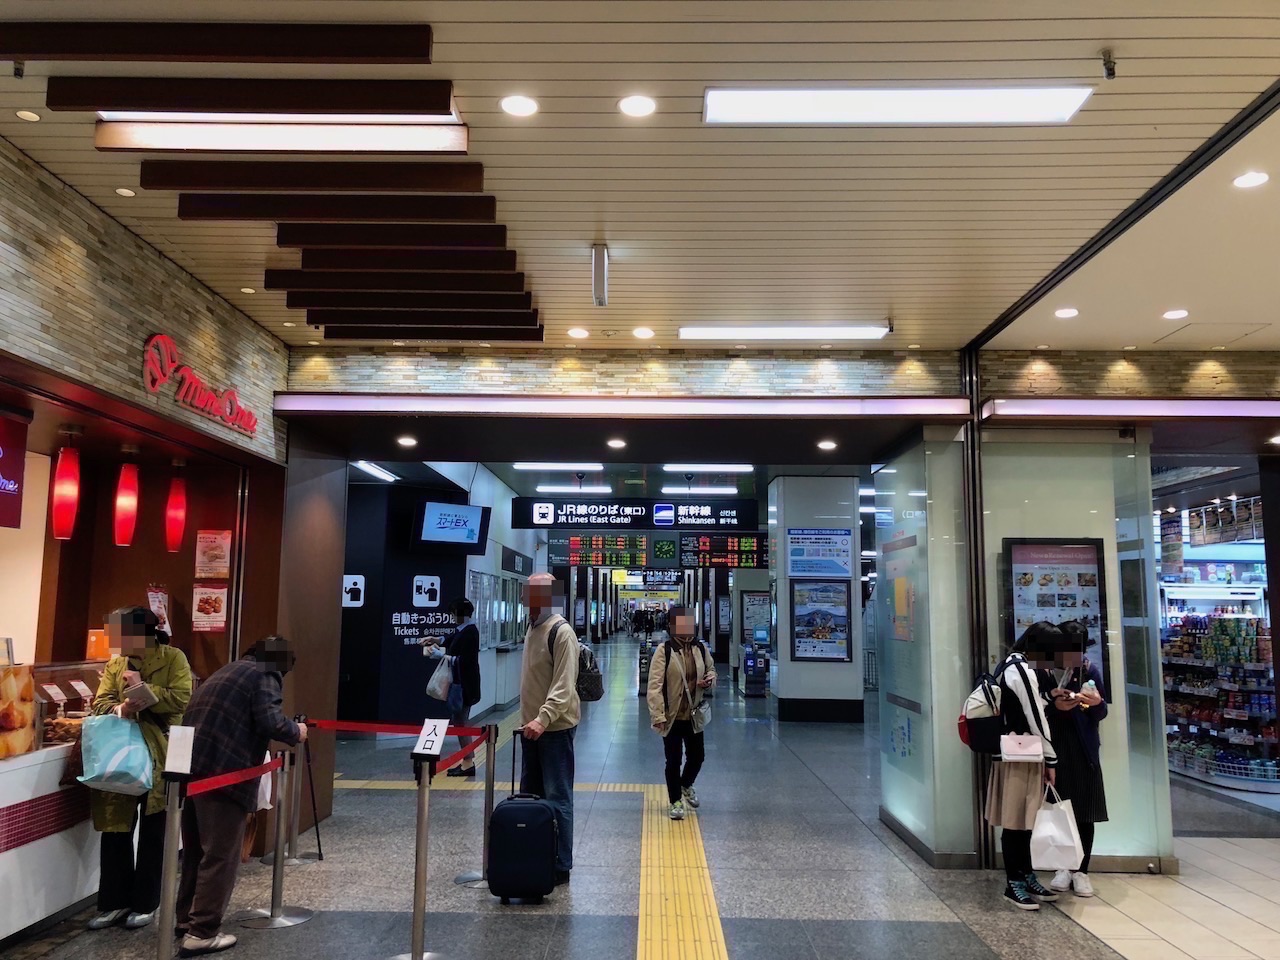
column 65, row 498
column 175, row 514
column 126, row 518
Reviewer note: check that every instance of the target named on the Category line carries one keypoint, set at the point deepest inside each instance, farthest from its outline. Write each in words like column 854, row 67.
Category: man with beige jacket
column 550, row 710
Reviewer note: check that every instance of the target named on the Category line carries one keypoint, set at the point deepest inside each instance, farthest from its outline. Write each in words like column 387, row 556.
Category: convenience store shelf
column 1234, row 775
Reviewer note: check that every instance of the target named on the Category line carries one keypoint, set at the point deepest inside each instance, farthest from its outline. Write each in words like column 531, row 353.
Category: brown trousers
column 212, row 833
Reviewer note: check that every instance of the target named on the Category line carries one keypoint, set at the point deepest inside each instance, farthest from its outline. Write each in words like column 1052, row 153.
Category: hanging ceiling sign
column 13, row 465
column 163, row 363
column 539, row 513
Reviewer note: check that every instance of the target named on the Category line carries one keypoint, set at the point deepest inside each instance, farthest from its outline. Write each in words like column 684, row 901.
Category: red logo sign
column 13, row 465
column 162, row 362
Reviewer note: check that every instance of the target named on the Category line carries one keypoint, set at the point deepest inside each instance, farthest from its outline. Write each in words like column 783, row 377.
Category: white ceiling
column 942, row 228
column 1209, row 249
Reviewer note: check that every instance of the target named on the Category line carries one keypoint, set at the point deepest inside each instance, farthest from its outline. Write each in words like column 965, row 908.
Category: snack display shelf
column 1237, row 776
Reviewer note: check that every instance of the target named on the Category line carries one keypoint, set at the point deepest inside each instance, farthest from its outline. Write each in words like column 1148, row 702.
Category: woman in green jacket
column 129, row 889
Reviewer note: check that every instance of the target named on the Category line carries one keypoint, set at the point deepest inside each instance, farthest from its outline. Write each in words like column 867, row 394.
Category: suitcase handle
column 516, row 736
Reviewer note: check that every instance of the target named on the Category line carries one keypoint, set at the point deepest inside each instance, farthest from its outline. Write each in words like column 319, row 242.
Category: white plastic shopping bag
column 441, row 680
column 1055, row 839
column 264, row 787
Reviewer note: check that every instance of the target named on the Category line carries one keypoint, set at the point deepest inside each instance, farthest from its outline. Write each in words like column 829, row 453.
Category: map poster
column 1056, row 581
column 820, row 620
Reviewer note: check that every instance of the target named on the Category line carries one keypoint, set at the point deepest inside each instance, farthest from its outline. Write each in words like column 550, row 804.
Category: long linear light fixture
column 571, row 488
column 990, row 105
column 559, row 467
column 281, row 137
column 700, row 491
column 708, row 468
column 373, row 470
column 789, row 332
column 350, row 119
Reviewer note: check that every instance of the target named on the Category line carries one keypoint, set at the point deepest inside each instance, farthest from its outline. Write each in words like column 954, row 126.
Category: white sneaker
column 691, row 797
column 1082, row 885
column 677, row 811
column 1061, row 881
column 108, row 918
column 193, row 947
column 136, row 921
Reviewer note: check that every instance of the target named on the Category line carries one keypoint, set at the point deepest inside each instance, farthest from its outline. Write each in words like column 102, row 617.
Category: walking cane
column 311, row 781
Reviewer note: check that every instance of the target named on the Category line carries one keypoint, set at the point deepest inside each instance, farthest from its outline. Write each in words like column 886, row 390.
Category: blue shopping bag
column 116, row 758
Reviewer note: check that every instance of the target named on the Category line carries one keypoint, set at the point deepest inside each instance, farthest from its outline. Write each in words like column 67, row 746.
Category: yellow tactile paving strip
column 501, row 788
column 679, row 919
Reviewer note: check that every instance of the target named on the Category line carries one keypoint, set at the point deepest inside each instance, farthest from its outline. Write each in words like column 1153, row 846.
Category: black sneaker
column 1015, row 892
column 461, row 772
column 1039, row 890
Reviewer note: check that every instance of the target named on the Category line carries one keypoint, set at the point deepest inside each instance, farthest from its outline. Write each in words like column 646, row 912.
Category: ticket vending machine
column 754, row 676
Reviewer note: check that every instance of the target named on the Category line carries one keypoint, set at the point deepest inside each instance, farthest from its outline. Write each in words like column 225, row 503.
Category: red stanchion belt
column 351, row 726
column 470, row 748
column 197, row 787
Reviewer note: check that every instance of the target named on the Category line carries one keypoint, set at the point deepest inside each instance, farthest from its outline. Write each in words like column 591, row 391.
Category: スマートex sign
column 542, row 513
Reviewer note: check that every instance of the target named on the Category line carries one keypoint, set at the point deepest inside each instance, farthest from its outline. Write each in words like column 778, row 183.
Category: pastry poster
column 213, row 554
column 17, row 711
column 209, row 608
column 1057, row 582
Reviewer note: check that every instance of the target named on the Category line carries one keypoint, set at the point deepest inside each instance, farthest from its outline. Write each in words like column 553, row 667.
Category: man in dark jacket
column 236, row 713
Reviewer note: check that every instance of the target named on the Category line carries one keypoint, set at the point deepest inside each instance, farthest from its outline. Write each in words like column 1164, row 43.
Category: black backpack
column 590, row 684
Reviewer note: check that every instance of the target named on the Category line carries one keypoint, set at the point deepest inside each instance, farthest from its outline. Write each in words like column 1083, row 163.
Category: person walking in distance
column 550, row 710
column 679, row 676
column 235, row 713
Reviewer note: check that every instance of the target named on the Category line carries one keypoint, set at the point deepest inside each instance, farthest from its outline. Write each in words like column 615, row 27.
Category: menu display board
column 1056, row 581
column 213, row 554
column 598, row 550
column 209, row 608
column 720, row 550
column 820, row 620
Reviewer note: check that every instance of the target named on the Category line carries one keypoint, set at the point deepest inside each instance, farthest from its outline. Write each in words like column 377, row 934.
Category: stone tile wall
column 80, row 294
column 618, row 373
column 1089, row 374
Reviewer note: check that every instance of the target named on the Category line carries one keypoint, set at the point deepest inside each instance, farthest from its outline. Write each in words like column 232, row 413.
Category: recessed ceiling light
column 1218, row 347
column 1232, row 496
column 486, row 344
column 28, row 115
column 1170, row 509
column 290, row 323
column 578, row 333
column 1254, row 178
column 125, row 192
column 248, row 290
column 1131, row 346
column 1042, row 346
column 827, row 444
column 407, row 441
column 739, row 346
column 568, row 488
column 545, row 467
column 826, row 346
column 617, row 443
column 913, row 346
column 1275, row 440
column 397, row 343
column 789, row 332
column 519, row 106
column 637, row 105
column 707, row 468
column 1216, row 500
column 642, row 333
column 912, row 106
column 1175, row 314
column 375, row 471
column 313, row 343
column 1066, row 313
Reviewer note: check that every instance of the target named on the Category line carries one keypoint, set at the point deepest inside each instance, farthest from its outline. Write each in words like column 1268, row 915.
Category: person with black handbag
column 679, row 676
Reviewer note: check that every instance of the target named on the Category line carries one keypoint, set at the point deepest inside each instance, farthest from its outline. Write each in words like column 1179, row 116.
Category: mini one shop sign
column 13, row 459
column 162, row 363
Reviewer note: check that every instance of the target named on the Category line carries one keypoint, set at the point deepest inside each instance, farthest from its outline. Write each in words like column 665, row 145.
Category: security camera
column 580, row 476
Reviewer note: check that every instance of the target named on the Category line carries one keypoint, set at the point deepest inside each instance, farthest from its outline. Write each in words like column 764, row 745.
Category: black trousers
column 129, row 882
column 1016, row 847
column 682, row 739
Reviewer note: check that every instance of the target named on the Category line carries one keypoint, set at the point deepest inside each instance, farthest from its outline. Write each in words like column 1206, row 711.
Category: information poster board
column 819, row 552
column 724, row 612
column 213, row 554
column 754, row 606
column 1171, row 543
column 820, row 620
column 1056, row 581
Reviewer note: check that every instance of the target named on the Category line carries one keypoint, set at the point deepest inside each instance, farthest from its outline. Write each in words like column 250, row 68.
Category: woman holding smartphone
column 150, row 684
column 679, row 675
column 1079, row 707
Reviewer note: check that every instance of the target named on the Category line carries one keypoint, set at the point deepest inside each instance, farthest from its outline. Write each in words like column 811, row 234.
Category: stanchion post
column 295, row 815
column 169, row 871
column 477, row 878
column 279, row 915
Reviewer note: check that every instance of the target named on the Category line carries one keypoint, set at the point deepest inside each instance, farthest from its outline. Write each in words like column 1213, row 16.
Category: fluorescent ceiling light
column 553, row 467
column 912, row 106
column 872, row 575
column 866, row 509
column 153, row 116
column 700, row 491
column 708, row 468
column 570, row 488
column 917, row 493
column 373, row 470
column 866, row 491
column 282, row 137
column 868, row 553
column 789, row 332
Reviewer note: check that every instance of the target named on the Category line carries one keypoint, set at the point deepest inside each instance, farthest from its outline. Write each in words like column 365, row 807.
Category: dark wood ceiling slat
column 423, row 318
column 304, row 176
column 392, row 236
column 240, row 95
column 489, row 334
column 339, row 280
column 221, row 42
column 381, row 300
column 337, row 208
column 409, row 260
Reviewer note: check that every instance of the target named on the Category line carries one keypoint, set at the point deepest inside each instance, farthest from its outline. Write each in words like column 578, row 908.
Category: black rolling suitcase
column 522, row 845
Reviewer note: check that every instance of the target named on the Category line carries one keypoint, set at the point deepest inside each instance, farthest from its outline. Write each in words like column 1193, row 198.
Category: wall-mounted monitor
column 456, row 526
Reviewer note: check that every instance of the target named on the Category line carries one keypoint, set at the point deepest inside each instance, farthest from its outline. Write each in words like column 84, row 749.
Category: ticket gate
column 753, row 678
